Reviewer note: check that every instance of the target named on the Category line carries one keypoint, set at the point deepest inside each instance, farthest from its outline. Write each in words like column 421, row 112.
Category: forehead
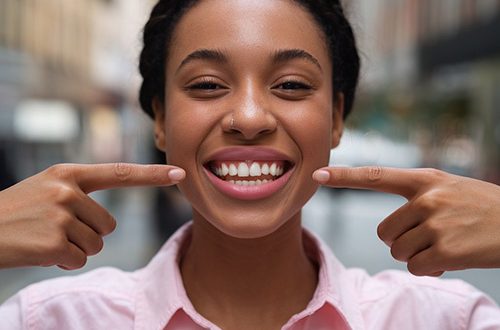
column 248, row 27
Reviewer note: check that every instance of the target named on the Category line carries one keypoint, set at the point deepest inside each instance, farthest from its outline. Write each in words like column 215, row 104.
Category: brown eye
column 206, row 88
column 293, row 90
column 206, row 85
column 293, row 85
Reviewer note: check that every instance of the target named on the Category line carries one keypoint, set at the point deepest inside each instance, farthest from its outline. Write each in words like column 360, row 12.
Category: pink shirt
column 154, row 298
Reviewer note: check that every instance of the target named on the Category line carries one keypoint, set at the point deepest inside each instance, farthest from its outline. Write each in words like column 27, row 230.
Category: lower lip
column 249, row 192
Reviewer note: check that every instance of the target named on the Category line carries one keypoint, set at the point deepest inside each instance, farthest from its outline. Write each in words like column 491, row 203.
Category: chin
column 251, row 220
column 246, row 226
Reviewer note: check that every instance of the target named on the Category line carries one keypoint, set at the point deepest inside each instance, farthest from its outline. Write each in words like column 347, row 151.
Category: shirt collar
column 161, row 291
column 335, row 287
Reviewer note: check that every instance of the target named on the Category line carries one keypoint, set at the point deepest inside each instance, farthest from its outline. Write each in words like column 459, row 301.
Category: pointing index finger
column 404, row 182
column 94, row 177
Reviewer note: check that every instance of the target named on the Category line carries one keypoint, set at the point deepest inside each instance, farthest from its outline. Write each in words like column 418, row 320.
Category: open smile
column 248, row 173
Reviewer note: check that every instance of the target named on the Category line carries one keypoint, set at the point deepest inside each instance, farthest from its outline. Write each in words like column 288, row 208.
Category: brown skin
column 246, row 267
column 48, row 219
column 450, row 222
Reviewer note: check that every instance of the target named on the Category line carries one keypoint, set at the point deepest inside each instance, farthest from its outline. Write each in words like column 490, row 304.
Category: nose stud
column 232, row 123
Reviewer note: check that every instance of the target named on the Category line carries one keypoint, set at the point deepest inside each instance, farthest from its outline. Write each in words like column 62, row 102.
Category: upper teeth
column 242, row 170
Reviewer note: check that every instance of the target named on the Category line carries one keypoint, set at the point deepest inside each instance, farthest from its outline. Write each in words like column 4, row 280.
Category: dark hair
column 329, row 15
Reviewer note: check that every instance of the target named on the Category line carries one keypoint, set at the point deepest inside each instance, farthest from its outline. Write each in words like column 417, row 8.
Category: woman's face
column 249, row 112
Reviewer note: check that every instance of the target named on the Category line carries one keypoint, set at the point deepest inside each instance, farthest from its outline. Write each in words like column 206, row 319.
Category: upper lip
column 248, row 153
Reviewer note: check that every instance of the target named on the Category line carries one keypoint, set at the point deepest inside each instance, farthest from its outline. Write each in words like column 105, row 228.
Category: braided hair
column 328, row 14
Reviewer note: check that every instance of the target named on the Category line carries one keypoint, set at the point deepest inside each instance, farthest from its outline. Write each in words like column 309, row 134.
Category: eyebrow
column 213, row 55
column 279, row 57
column 285, row 55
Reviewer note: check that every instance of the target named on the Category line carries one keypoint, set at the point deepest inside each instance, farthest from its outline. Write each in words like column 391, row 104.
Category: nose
column 249, row 117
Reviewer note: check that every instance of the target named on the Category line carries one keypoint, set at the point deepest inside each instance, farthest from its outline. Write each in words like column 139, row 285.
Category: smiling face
column 248, row 113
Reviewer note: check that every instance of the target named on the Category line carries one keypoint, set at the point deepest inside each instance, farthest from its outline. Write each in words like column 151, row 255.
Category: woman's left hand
column 450, row 222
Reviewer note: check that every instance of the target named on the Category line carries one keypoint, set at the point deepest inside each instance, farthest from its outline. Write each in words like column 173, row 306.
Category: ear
column 338, row 119
column 159, row 124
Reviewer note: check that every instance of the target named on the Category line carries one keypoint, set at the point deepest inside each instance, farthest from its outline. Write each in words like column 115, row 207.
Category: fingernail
column 176, row 175
column 321, row 176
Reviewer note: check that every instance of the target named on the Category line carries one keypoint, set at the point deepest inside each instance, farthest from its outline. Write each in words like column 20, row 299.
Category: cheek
column 312, row 132
column 185, row 129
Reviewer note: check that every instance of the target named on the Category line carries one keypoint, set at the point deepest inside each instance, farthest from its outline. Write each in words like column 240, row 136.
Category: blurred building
column 432, row 74
column 68, row 82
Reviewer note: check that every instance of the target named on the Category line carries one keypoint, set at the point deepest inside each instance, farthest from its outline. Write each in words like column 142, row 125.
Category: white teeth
column 249, row 182
column 255, row 169
column 265, row 169
column 224, row 170
column 232, row 170
column 243, row 170
column 279, row 171
column 272, row 169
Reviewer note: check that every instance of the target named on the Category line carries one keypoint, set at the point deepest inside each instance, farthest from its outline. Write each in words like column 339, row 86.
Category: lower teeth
column 249, row 183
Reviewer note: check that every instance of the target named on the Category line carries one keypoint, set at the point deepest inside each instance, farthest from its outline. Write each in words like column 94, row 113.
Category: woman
column 246, row 108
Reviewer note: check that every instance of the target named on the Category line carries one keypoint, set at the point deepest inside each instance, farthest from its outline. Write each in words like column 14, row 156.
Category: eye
column 206, row 88
column 205, row 85
column 293, row 85
column 293, row 89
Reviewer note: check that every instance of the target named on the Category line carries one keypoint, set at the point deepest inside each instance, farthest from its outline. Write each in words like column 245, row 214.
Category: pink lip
column 249, row 192
column 248, row 153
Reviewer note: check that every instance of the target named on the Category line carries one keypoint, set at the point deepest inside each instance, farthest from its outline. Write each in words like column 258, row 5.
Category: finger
column 85, row 238
column 94, row 215
column 410, row 244
column 398, row 223
column 404, row 182
column 73, row 258
column 425, row 263
column 114, row 175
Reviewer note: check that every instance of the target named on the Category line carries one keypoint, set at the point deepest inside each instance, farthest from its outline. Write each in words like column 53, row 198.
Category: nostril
column 250, row 127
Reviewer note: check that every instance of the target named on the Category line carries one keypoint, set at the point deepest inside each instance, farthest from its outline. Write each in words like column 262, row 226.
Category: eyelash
column 294, row 85
column 212, row 85
column 205, row 85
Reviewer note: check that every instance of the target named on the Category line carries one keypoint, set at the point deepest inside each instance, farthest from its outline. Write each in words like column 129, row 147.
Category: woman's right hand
column 48, row 219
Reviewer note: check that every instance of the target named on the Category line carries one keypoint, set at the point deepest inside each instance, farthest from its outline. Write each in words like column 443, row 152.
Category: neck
column 256, row 282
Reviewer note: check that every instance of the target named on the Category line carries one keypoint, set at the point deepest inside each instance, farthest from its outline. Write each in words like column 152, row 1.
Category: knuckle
column 64, row 194
column 398, row 253
column 340, row 174
column 444, row 251
column 61, row 171
column 98, row 245
column 428, row 202
column 78, row 261
column 112, row 224
column 122, row 171
column 433, row 228
column 415, row 268
column 108, row 226
column 56, row 247
column 62, row 221
column 374, row 173
column 382, row 233
column 156, row 173
column 434, row 173
column 419, row 266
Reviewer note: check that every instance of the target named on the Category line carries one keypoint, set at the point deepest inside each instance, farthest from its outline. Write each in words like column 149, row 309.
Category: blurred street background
column 429, row 97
